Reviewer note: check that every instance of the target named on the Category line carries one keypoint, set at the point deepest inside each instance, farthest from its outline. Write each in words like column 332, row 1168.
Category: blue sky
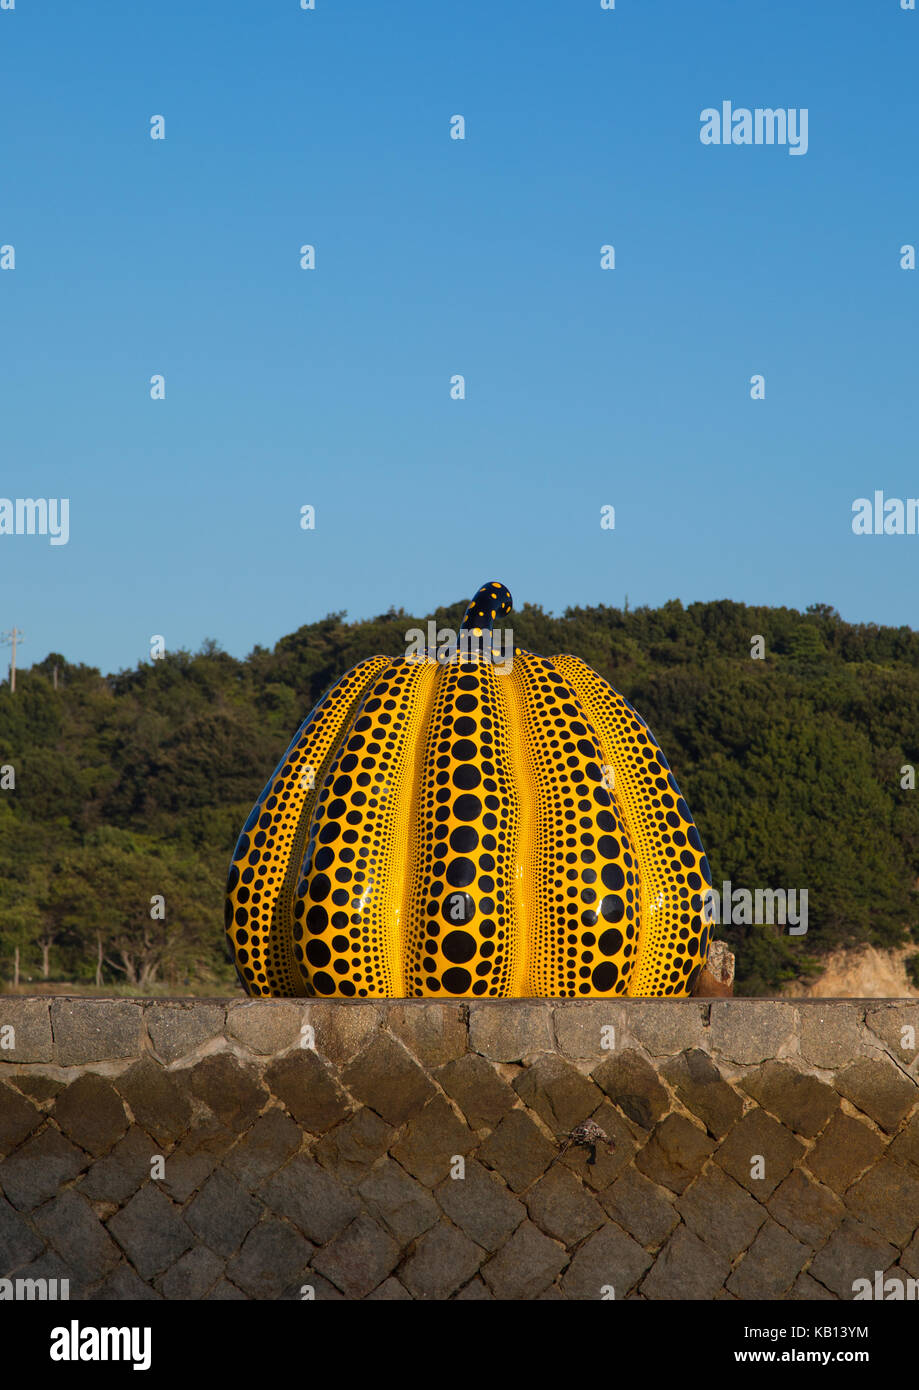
column 331, row 387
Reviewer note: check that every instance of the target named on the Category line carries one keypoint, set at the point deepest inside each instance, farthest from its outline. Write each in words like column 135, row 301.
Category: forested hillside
column 135, row 786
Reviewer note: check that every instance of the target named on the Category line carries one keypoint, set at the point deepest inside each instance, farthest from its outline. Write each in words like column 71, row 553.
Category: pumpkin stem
column 491, row 603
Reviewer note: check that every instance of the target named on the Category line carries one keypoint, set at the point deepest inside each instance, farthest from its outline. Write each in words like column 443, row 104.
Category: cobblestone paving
column 414, row 1150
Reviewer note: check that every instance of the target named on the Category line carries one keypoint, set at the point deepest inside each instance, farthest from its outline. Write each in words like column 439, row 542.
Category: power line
column 12, row 639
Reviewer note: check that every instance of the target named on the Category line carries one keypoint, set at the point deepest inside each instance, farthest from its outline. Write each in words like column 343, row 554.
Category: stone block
column 193, row 1275
column 588, row 1028
column 96, row 1030
column 518, row 1150
column 829, row 1033
column 686, row 1268
column 480, row 1205
column 120, row 1173
column 399, row 1201
column 225, row 1292
column 191, row 1163
column 770, row 1266
column 853, row 1252
column 560, row 1094
column 157, row 1099
column 151, row 1231
column 305, row 1084
column 434, row 1033
column 897, row 1025
column 272, row 1140
column 721, row 1213
column 759, row 1136
column 360, row 1258
column 880, row 1089
column 675, row 1153
column 526, row 1265
column 123, row 1286
column 390, row 1291
column 39, row 1167
column 640, row 1207
column 905, row 1147
column 91, row 1113
column 701, row 1088
column 265, row 1026
column 608, row 1258
column 30, row 1019
column 664, row 1027
column 311, row 1199
column 18, row 1242
column 18, row 1118
column 476, row 1291
column 443, row 1260
column 807, row 1209
column 748, row 1031
column 509, row 1030
column 352, row 1148
column 223, row 1213
column 887, row 1198
column 341, row 1027
column 845, row 1148
column 483, row 1096
column 633, row 1085
column 72, row 1227
column 233, row 1092
column 431, row 1139
column 273, row 1255
column 176, row 1028
column 807, row 1290
column 388, row 1079
column 800, row 1101
column 562, row 1207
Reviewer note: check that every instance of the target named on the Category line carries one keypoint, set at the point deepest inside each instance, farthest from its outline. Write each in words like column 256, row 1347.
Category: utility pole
column 11, row 639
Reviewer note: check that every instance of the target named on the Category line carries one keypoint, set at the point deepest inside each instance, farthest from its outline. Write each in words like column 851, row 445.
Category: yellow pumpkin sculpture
column 495, row 825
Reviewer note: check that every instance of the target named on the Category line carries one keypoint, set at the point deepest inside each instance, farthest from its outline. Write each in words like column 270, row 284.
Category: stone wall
column 197, row 1149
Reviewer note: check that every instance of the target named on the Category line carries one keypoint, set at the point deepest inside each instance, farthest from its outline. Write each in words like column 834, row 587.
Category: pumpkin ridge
column 673, row 938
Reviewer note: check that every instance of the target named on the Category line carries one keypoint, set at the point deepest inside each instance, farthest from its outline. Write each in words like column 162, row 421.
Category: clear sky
column 331, row 387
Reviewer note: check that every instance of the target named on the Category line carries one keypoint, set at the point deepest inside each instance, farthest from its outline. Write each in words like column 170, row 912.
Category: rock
column 748, row 1031
column 879, row 1089
column 758, row 1136
column 443, row 1260
column 770, row 1266
column 95, row 1030
column 151, row 1231
column 306, row 1086
column 633, row 1085
column 721, row 1213
column 799, row 1100
column 385, row 1077
column 607, row 1259
column 483, row 1096
column 507, row 1030
column 91, row 1113
column 360, row 1258
column 481, row 1206
column 845, row 1148
column 31, row 1039
column 434, row 1033
column 675, row 1153
column 311, row 1199
column 686, row 1268
column 526, row 1265
column 177, row 1029
column 431, row 1141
